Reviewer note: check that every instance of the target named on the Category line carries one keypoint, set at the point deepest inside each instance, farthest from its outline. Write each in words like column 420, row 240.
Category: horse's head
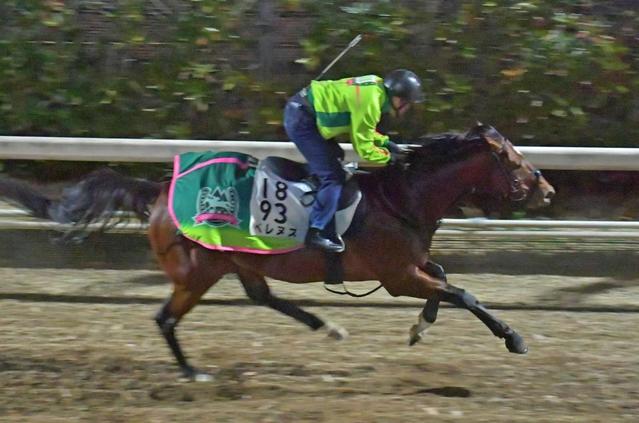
column 513, row 178
column 481, row 166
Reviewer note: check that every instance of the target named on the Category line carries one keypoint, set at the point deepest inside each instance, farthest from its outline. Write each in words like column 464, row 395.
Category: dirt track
column 80, row 345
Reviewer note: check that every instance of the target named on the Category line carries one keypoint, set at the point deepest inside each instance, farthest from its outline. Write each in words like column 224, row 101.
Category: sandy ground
column 80, row 345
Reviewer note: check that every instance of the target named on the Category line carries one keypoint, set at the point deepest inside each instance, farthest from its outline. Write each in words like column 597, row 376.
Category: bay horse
column 398, row 215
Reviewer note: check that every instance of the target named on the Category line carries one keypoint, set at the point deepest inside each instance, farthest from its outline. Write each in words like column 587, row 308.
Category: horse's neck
column 434, row 193
column 421, row 199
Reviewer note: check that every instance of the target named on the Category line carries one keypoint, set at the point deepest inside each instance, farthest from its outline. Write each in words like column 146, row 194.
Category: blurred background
column 545, row 73
column 78, row 342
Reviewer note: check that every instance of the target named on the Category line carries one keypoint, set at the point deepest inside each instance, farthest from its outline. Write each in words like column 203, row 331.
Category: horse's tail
column 24, row 195
column 99, row 197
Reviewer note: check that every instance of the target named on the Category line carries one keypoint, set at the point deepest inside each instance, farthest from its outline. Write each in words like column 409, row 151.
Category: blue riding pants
column 322, row 156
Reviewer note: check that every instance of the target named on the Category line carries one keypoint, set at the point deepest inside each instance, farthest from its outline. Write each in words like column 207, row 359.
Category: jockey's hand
column 398, row 152
column 397, row 148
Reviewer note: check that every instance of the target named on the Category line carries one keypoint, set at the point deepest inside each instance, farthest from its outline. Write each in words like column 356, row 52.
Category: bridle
column 517, row 194
column 534, row 187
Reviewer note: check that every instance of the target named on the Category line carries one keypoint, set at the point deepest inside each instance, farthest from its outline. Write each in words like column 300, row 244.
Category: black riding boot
column 315, row 239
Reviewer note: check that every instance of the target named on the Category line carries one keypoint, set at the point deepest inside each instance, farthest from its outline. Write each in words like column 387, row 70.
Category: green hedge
column 543, row 72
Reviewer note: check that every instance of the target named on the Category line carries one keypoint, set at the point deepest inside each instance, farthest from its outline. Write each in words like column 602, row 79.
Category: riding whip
column 350, row 45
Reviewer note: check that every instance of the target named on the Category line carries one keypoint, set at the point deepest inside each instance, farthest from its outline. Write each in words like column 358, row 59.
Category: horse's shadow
column 230, row 382
column 446, row 391
column 580, row 293
column 148, row 280
column 592, row 288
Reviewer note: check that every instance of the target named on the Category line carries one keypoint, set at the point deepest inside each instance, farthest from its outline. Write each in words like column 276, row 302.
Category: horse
column 401, row 208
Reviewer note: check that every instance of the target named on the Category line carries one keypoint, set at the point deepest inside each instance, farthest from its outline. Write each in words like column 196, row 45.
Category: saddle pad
column 226, row 201
column 209, row 202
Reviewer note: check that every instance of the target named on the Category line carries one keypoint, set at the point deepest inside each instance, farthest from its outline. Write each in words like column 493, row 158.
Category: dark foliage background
column 561, row 72
column 544, row 72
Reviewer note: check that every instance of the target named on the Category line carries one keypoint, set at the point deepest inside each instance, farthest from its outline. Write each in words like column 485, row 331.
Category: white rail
column 451, row 228
column 163, row 150
column 474, row 223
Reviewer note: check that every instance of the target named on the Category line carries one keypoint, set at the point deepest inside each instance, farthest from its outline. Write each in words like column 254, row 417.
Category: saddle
column 295, row 172
column 298, row 172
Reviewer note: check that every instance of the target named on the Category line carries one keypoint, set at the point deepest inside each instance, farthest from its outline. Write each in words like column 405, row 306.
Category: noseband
column 517, row 192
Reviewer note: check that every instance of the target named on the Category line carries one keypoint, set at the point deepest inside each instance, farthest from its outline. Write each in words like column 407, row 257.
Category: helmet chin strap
column 394, row 112
column 401, row 107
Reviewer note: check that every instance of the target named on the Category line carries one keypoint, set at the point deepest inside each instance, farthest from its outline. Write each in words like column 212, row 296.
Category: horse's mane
column 434, row 151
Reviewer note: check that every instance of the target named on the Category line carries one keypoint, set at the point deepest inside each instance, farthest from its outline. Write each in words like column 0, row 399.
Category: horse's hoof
column 515, row 344
column 336, row 332
column 190, row 374
column 203, row 377
column 415, row 335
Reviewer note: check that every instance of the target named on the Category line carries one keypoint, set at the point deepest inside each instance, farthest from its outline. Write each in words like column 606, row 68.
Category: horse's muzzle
column 548, row 196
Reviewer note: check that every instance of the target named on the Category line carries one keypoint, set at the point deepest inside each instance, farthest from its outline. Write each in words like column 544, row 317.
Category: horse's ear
column 476, row 130
column 495, row 144
column 486, row 132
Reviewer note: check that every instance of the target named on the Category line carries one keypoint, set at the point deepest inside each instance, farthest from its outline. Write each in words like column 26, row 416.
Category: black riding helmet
column 404, row 84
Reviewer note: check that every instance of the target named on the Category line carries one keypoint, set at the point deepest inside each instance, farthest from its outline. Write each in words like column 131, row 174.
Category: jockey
column 353, row 106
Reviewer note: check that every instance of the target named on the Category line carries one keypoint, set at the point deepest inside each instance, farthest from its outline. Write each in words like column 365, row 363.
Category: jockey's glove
column 397, row 148
column 398, row 152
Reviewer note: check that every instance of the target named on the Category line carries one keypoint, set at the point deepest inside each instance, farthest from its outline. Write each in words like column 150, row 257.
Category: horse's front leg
column 514, row 342
column 429, row 282
column 426, row 281
column 429, row 314
column 461, row 298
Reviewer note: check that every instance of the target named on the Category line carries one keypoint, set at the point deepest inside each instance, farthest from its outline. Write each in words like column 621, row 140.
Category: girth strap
column 335, row 276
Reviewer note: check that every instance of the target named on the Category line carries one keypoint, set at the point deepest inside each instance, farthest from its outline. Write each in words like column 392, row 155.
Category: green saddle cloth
column 209, row 201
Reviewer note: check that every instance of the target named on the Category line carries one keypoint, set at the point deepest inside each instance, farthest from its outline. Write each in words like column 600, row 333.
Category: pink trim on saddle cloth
column 216, row 216
column 176, row 169
column 176, row 175
column 231, row 160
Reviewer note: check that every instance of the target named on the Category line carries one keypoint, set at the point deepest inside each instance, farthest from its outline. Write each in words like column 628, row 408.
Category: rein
column 517, row 194
column 514, row 182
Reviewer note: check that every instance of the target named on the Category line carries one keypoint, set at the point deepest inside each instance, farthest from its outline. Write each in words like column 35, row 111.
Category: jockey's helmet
column 404, row 84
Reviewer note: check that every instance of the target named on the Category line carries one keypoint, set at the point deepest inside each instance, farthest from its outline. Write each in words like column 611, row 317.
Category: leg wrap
column 469, row 300
column 290, row 309
column 167, row 324
column 454, row 296
column 165, row 321
column 430, row 310
column 435, row 270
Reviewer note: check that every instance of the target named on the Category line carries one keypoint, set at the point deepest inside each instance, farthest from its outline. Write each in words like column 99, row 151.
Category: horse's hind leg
column 193, row 271
column 258, row 290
